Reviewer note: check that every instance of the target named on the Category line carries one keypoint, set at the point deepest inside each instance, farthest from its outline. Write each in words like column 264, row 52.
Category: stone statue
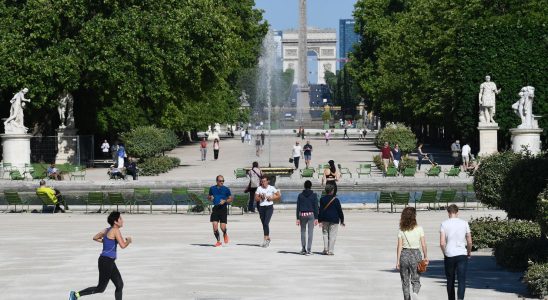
column 524, row 108
column 243, row 98
column 66, row 103
column 15, row 122
column 488, row 91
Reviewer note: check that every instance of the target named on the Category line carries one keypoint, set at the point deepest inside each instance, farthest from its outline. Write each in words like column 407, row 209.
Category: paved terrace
column 45, row 256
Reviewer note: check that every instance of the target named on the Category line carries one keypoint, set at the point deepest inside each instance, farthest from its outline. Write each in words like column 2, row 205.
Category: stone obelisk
column 303, row 99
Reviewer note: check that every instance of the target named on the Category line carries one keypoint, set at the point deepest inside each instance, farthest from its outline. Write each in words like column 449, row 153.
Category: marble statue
column 66, row 111
column 15, row 122
column 244, row 97
column 524, row 108
column 488, row 91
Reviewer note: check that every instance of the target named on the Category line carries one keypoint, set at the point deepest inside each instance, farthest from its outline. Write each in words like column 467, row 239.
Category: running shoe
column 308, row 253
column 414, row 296
column 325, row 252
column 226, row 238
column 330, row 253
column 72, row 295
column 303, row 252
column 267, row 243
column 218, row 244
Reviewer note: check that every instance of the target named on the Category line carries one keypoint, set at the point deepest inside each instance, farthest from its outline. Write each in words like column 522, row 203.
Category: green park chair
column 453, row 172
column 78, row 173
column 95, row 198
column 428, row 197
column 434, row 171
column 198, row 203
column 116, row 198
column 46, row 201
column 240, row 173
column 391, row 172
column 400, row 198
column 321, row 168
column 16, row 175
column 178, row 195
column 344, row 171
column 307, row 173
column 364, row 169
column 13, row 198
column 142, row 196
column 6, row 169
column 409, row 172
column 385, row 197
column 240, row 201
column 447, row 196
column 469, row 195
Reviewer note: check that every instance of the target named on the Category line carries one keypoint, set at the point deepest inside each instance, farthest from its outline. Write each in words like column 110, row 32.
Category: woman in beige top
column 410, row 240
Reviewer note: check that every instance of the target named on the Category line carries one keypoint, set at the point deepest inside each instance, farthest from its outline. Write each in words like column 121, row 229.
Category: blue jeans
column 456, row 264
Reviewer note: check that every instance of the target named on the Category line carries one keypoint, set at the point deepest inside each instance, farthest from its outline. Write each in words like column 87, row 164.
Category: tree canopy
column 171, row 63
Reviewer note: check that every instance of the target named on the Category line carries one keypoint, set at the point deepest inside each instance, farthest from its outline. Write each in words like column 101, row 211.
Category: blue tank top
column 109, row 246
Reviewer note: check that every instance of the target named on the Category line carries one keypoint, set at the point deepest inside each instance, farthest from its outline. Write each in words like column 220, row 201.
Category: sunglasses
column 220, row 181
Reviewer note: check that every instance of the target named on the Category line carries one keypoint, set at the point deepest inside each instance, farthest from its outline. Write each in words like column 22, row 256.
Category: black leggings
column 265, row 213
column 107, row 271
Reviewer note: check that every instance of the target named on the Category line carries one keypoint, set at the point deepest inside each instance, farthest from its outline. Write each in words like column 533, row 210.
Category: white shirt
column 269, row 191
column 105, row 147
column 242, row 133
column 466, row 150
column 455, row 231
column 297, row 150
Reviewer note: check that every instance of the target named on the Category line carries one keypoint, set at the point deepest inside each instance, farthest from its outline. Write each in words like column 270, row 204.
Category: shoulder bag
column 422, row 265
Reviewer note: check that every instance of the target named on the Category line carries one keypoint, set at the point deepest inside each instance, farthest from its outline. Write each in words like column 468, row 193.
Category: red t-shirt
column 203, row 144
column 385, row 152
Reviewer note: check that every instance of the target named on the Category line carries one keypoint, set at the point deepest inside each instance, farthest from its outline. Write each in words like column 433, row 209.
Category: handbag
column 291, row 159
column 422, row 265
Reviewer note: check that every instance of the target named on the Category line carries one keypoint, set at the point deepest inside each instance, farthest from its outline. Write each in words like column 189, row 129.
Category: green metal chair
column 116, row 198
column 46, row 201
column 240, row 201
column 447, row 196
column 400, row 198
column 364, row 169
column 307, row 173
column 16, row 175
column 409, row 172
column 385, row 197
column 391, row 172
column 321, row 168
column 470, row 196
column 240, row 173
column 434, row 171
column 198, row 201
column 178, row 195
column 344, row 171
column 13, row 198
column 427, row 197
column 6, row 169
column 142, row 196
column 95, row 198
column 453, row 172
column 78, row 172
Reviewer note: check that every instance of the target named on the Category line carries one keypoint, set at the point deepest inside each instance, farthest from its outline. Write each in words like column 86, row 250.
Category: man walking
column 220, row 196
column 456, row 245
column 262, row 138
column 296, row 154
column 307, row 153
column 455, row 153
column 345, row 136
column 386, row 155
column 242, row 135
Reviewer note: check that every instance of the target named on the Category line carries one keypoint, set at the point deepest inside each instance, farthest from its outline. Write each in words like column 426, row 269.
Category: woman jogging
column 410, row 241
column 110, row 238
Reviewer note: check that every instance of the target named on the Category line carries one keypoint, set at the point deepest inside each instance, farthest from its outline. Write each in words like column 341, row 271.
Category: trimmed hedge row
column 156, row 165
column 405, row 162
column 536, row 279
column 487, row 232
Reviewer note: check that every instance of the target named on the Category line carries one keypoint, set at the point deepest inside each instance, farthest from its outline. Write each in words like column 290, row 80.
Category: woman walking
column 110, row 238
column 331, row 176
column 265, row 197
column 307, row 215
column 255, row 175
column 216, row 149
column 203, row 149
column 410, row 240
column 330, row 216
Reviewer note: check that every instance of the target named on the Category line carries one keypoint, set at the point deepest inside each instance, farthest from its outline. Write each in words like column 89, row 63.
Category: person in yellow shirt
column 53, row 194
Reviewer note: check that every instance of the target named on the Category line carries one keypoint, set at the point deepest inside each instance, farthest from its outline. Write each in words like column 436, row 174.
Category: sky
column 284, row 14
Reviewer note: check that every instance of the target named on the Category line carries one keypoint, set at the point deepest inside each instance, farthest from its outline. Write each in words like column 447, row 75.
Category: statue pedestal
column 526, row 137
column 67, row 146
column 16, row 149
column 488, row 138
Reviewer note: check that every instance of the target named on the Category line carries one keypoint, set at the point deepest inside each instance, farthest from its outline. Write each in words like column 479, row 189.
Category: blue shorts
column 307, row 156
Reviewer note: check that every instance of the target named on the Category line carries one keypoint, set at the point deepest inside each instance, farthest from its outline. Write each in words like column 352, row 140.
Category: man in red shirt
column 386, row 155
column 203, row 148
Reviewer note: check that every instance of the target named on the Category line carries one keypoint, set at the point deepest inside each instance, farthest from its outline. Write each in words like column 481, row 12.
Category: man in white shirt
column 456, row 245
column 466, row 150
column 296, row 154
column 105, row 147
column 265, row 197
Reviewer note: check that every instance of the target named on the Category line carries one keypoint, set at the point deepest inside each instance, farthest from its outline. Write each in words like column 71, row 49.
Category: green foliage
column 149, row 141
column 406, row 162
column 491, row 176
column 422, row 61
column 344, row 89
column 397, row 134
column 515, row 252
column 157, row 165
column 487, row 232
column 542, row 214
column 522, row 185
column 536, row 279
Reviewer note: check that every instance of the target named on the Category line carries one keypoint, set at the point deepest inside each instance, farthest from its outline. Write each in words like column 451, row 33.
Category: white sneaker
column 415, row 296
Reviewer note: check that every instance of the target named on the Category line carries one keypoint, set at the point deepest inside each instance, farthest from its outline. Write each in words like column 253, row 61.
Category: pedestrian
column 220, row 196
column 242, row 135
column 330, row 216
column 255, row 175
column 386, row 155
column 422, row 155
column 455, row 153
column 105, row 148
column 248, row 136
column 307, row 154
column 110, row 238
column 456, row 245
column 307, row 216
column 466, row 151
column 345, row 136
column 396, row 155
column 203, row 149
column 265, row 197
column 121, row 156
column 410, row 241
column 54, row 195
column 216, row 149
column 327, row 135
column 331, row 176
column 262, row 138
column 302, row 133
column 258, row 146
column 296, row 154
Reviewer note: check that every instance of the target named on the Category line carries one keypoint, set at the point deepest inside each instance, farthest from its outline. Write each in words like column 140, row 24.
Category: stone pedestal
column 488, row 138
column 67, row 146
column 526, row 137
column 16, row 149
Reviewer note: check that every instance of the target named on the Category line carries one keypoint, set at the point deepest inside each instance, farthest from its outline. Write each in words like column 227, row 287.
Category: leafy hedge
column 542, row 213
column 149, row 141
column 156, row 165
column 487, row 232
column 397, row 133
column 515, row 252
column 405, row 162
column 536, row 279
